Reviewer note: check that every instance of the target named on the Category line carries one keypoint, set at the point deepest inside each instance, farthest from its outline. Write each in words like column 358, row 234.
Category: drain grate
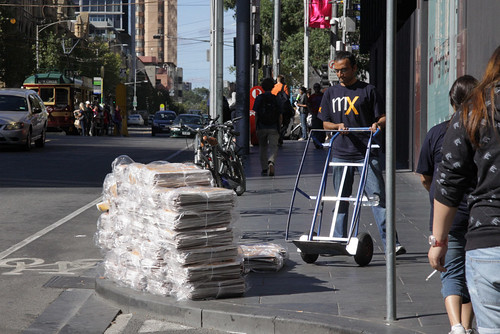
column 67, row 282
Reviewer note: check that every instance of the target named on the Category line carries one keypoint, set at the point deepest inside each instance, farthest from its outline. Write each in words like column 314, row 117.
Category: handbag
column 309, row 120
column 77, row 123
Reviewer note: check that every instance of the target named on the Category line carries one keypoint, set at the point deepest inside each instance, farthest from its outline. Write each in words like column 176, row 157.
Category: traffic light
column 324, row 75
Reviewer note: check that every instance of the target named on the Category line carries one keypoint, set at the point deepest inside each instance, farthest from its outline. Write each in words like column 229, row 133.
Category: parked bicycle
column 222, row 158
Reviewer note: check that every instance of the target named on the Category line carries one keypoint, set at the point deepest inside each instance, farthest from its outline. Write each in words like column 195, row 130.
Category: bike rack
column 314, row 243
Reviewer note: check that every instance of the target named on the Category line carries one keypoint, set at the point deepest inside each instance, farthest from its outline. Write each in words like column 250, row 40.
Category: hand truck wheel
column 364, row 252
column 309, row 258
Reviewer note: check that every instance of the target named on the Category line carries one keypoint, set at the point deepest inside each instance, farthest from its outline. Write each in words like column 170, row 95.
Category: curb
column 225, row 316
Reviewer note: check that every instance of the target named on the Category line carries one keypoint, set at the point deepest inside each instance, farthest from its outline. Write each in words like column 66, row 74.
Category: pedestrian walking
column 454, row 286
column 471, row 158
column 316, row 123
column 355, row 104
column 117, row 120
column 303, row 111
column 281, row 91
column 268, row 122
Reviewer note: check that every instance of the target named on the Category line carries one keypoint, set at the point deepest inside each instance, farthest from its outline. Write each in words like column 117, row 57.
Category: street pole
column 243, row 75
column 37, row 34
column 276, row 38
column 216, row 57
column 333, row 34
column 390, row 89
column 306, row 43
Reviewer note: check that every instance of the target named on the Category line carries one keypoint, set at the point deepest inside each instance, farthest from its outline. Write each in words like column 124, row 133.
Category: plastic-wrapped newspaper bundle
column 168, row 231
column 263, row 257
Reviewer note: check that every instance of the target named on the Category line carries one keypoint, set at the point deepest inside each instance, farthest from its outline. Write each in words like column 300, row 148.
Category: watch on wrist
column 436, row 243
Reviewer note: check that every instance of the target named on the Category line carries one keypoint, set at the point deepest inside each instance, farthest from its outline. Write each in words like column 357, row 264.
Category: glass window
column 13, row 103
column 62, row 97
column 47, row 94
column 34, row 102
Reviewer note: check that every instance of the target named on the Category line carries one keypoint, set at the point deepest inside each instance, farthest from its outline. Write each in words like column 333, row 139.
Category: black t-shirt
column 358, row 105
column 428, row 161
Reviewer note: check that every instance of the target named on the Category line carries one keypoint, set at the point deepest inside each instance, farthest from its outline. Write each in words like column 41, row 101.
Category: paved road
column 49, row 219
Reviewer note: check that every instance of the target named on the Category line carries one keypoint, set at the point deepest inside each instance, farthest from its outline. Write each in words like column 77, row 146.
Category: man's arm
column 426, row 181
column 380, row 124
column 333, row 126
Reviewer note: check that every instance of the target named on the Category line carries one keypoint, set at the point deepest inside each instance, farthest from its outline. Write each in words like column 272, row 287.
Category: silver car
column 23, row 118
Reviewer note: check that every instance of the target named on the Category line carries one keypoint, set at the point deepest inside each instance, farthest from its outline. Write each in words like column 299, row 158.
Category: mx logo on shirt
column 345, row 104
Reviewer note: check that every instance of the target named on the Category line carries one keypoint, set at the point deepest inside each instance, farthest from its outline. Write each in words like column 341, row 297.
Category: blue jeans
column 453, row 280
column 482, row 267
column 303, row 124
column 374, row 186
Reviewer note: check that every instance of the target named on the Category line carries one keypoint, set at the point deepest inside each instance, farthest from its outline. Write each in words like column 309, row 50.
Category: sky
column 193, row 33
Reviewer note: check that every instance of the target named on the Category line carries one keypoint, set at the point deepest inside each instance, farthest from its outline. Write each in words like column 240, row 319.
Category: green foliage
column 16, row 57
column 292, row 39
column 196, row 99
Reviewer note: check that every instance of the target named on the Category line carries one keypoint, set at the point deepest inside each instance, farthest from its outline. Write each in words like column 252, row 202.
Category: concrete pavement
column 333, row 295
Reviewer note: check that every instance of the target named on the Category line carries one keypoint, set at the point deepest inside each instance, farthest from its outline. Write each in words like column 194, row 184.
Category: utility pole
column 276, row 38
column 256, row 41
column 333, row 29
column 40, row 28
column 216, row 57
column 242, row 50
column 306, row 43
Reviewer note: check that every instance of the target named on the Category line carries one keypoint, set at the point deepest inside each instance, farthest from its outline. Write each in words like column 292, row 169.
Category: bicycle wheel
column 239, row 177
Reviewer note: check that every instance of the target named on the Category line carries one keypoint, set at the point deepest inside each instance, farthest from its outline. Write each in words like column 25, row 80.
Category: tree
column 196, row 99
column 292, row 39
column 16, row 57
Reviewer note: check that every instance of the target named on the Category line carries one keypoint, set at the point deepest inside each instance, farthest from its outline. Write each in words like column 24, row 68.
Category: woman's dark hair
column 460, row 90
column 477, row 102
column 267, row 84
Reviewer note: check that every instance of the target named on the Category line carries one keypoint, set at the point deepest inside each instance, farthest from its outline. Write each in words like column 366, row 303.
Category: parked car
column 183, row 123
column 162, row 121
column 23, row 118
column 135, row 119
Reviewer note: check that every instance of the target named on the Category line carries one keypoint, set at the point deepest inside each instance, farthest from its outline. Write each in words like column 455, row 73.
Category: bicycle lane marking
column 46, row 230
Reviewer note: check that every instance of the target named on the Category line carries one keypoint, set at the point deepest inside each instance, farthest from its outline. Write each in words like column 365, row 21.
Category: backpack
column 286, row 106
column 269, row 112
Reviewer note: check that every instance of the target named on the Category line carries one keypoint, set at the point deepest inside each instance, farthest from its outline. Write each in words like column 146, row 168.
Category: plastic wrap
column 166, row 231
column 263, row 257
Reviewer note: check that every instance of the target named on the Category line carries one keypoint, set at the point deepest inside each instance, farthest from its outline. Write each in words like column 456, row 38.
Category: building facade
column 437, row 41
column 156, row 30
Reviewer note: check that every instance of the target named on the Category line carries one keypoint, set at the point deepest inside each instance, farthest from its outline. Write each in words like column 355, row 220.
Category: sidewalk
column 333, row 295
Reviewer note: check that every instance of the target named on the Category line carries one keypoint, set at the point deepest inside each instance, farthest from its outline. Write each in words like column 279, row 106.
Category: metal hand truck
column 314, row 244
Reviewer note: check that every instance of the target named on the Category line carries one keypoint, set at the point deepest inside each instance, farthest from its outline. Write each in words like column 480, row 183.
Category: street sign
column 97, row 85
column 332, row 75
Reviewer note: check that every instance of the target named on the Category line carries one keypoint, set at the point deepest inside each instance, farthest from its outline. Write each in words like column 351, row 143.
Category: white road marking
column 151, row 326
column 46, row 230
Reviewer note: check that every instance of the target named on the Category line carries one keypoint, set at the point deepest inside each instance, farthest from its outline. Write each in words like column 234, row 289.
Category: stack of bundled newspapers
column 166, row 230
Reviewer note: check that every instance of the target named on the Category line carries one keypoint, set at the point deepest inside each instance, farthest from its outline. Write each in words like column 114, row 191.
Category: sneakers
column 300, row 139
column 457, row 329
column 271, row 169
column 400, row 250
column 471, row 331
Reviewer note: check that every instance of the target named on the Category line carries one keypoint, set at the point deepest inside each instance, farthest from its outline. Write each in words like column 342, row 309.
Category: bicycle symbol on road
column 20, row 265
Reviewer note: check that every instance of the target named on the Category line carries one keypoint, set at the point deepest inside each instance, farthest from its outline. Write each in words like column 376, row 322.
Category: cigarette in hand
column 431, row 274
